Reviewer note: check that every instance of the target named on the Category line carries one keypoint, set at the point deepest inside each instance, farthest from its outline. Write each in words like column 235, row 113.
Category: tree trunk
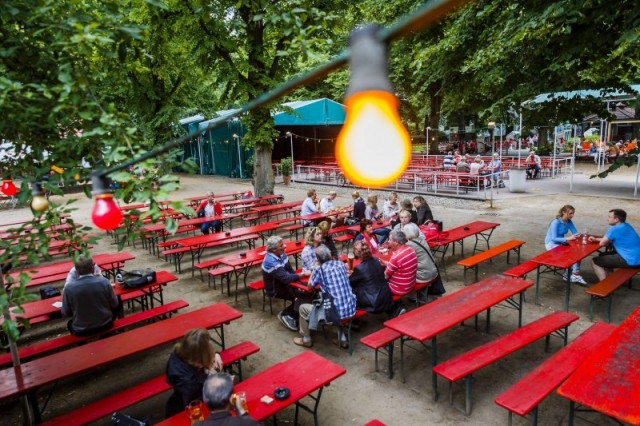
column 263, row 180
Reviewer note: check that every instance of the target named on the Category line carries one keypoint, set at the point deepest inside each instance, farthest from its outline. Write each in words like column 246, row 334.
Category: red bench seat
column 464, row 365
column 525, row 395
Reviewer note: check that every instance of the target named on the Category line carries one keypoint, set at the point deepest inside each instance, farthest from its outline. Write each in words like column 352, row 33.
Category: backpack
column 138, row 277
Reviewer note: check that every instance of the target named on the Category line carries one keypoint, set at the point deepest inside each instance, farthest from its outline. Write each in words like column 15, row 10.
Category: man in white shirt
column 309, row 206
column 327, row 204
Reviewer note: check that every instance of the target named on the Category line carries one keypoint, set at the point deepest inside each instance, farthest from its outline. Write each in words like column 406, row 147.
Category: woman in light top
column 556, row 236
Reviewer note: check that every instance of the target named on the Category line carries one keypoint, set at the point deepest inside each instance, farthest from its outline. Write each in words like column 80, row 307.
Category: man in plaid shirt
column 332, row 277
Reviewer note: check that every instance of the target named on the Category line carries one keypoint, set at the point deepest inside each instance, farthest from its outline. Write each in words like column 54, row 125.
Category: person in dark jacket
column 423, row 211
column 188, row 367
column 218, row 396
column 368, row 282
column 359, row 206
column 277, row 274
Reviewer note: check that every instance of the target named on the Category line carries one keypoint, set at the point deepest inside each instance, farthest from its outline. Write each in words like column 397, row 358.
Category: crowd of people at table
column 368, row 283
column 464, row 163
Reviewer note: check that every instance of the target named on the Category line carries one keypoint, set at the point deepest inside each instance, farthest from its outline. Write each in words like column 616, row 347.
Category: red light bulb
column 8, row 188
column 106, row 214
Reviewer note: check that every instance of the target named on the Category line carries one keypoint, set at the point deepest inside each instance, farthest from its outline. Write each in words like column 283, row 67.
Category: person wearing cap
column 533, row 165
column 495, row 166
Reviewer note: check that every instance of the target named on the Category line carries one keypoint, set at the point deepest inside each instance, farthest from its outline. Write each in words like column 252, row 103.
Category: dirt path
column 363, row 394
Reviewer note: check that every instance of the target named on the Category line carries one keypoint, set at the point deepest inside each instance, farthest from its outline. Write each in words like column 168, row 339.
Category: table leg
column 537, row 285
column 434, row 362
column 572, row 409
column 567, row 292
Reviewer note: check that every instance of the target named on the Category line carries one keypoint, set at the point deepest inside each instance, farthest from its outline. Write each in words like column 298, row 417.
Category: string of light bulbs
column 306, row 138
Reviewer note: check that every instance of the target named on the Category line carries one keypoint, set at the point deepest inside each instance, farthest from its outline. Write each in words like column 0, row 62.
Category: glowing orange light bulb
column 373, row 148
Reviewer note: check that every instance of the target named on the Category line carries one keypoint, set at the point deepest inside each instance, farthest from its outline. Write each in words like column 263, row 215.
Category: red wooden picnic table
column 429, row 320
column 51, row 306
column 157, row 230
column 29, row 377
column 453, row 236
column 195, row 201
column 242, row 262
column 303, row 375
column 58, row 271
column 267, row 210
column 562, row 257
column 608, row 381
column 196, row 245
column 247, row 203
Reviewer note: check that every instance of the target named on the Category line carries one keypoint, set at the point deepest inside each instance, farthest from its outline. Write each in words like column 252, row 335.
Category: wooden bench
column 605, row 288
column 121, row 400
column 475, row 260
column 67, row 340
column 464, row 365
column 345, row 239
column 382, row 340
column 521, row 270
column 525, row 395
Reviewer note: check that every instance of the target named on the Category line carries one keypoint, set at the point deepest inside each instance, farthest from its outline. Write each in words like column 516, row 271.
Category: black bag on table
column 121, row 419
column 138, row 277
column 49, row 292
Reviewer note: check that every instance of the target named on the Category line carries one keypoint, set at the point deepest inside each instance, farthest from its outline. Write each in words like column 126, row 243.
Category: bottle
column 585, row 237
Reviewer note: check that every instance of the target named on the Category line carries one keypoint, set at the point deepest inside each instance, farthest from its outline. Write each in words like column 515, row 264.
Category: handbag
column 331, row 314
column 437, row 286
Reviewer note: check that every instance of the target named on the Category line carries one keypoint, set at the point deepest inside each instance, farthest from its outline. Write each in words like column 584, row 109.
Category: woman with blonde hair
column 312, row 239
column 188, row 367
column 326, row 238
column 558, row 228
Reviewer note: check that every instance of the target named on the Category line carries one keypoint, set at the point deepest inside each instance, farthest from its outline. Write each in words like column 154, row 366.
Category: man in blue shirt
column 625, row 241
column 332, row 277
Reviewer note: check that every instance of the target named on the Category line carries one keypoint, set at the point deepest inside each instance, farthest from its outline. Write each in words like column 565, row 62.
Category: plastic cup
column 195, row 411
column 350, row 258
column 242, row 398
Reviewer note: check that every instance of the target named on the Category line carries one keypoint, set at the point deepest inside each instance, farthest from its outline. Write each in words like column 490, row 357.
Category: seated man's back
column 89, row 300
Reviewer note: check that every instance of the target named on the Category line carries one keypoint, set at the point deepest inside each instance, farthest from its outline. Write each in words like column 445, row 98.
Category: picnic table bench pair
column 28, row 378
column 303, row 374
column 231, row 358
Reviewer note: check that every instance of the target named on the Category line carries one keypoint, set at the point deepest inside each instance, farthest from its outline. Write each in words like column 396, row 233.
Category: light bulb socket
column 100, row 186
column 368, row 62
column 36, row 189
column 39, row 202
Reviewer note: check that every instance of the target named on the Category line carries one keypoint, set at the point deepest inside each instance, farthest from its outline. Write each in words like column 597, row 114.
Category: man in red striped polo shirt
column 402, row 267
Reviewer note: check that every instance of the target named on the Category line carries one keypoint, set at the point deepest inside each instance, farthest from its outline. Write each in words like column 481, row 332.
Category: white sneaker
column 564, row 276
column 575, row 278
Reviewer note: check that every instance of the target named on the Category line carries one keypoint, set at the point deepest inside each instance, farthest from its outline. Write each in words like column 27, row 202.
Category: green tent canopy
column 314, row 112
